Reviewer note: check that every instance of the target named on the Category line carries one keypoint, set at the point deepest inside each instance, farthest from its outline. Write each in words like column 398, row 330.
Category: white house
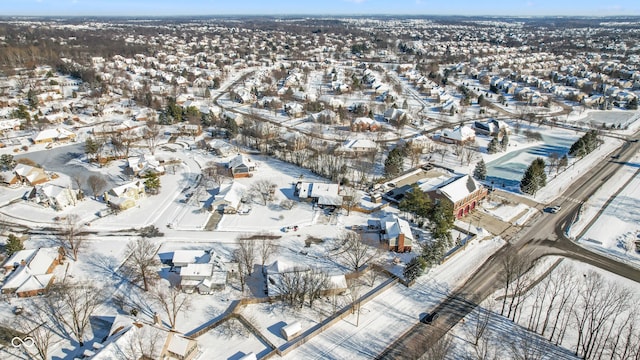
column 53, row 196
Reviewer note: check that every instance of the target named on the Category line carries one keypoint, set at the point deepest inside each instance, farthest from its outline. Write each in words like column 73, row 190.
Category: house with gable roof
column 463, row 193
column 30, row 271
column 201, row 270
column 53, row 196
column 54, row 135
column 133, row 338
column 459, row 135
column 320, row 193
column 396, row 233
column 241, row 166
column 29, row 175
column 125, row 196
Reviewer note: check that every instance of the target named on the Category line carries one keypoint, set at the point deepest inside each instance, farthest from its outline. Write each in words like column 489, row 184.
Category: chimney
column 401, row 243
column 156, row 319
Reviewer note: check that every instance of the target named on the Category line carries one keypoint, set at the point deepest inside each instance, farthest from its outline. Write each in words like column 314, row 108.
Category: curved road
column 543, row 236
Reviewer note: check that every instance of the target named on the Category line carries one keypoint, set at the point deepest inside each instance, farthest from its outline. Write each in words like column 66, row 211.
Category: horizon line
column 275, row 15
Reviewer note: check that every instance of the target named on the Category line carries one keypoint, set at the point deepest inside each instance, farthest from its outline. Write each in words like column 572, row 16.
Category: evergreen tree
column 504, row 142
column 393, row 163
column 586, row 144
column 152, row 182
column 534, row 178
column 416, row 201
column 414, row 268
column 232, row 128
column 480, row 172
column 32, row 99
column 494, row 146
column 13, row 245
column 442, row 218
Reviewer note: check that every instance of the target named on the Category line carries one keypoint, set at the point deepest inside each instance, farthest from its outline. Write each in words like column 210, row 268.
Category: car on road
column 553, row 209
column 430, row 318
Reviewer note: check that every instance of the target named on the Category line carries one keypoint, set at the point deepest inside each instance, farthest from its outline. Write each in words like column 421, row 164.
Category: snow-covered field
column 504, row 338
column 618, row 227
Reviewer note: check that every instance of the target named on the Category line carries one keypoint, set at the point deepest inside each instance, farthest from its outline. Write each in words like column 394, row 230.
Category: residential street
column 543, row 236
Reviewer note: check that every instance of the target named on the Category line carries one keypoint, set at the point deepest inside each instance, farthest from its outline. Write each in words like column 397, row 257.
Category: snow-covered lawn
column 390, row 314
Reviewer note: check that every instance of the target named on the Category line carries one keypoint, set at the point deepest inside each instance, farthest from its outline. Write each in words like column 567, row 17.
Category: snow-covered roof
column 57, row 133
column 359, row 144
column 190, row 257
column 394, row 226
column 203, row 270
column 459, row 188
column 460, row 133
column 233, row 193
column 239, row 160
column 179, row 345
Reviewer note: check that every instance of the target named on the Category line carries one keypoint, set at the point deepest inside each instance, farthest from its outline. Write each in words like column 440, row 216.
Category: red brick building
column 463, row 193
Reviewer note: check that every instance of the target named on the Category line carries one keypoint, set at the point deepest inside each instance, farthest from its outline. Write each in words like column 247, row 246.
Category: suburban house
column 229, row 198
column 53, row 196
column 459, row 135
column 125, row 196
column 221, row 147
column 128, row 335
column 189, row 130
column 491, row 127
column 274, row 272
column 29, row 272
column 358, row 146
column 241, row 166
column 364, row 124
column 29, row 175
column 320, row 193
column 201, row 270
column 54, row 135
column 464, row 194
column 394, row 115
column 396, row 233
column 143, row 165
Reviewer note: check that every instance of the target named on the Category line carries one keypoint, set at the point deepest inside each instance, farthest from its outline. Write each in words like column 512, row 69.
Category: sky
column 315, row 7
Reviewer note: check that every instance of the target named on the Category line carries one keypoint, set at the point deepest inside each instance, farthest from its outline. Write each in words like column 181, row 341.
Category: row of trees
column 586, row 144
column 440, row 217
column 593, row 315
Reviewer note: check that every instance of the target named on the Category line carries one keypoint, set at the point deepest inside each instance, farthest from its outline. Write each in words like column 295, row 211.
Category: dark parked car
column 430, row 318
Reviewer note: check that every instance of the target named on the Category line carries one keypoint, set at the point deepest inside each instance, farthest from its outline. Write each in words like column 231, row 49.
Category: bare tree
column 246, row 253
column 440, row 349
column 350, row 198
column 172, row 301
column 316, row 282
column 145, row 343
column 73, row 303
column 480, row 319
column 353, row 252
column 267, row 247
column 97, row 183
column 512, row 267
column 600, row 303
column 525, row 346
column 263, row 190
column 34, row 324
column 142, row 263
column 78, row 181
column 72, row 235
column 151, row 135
